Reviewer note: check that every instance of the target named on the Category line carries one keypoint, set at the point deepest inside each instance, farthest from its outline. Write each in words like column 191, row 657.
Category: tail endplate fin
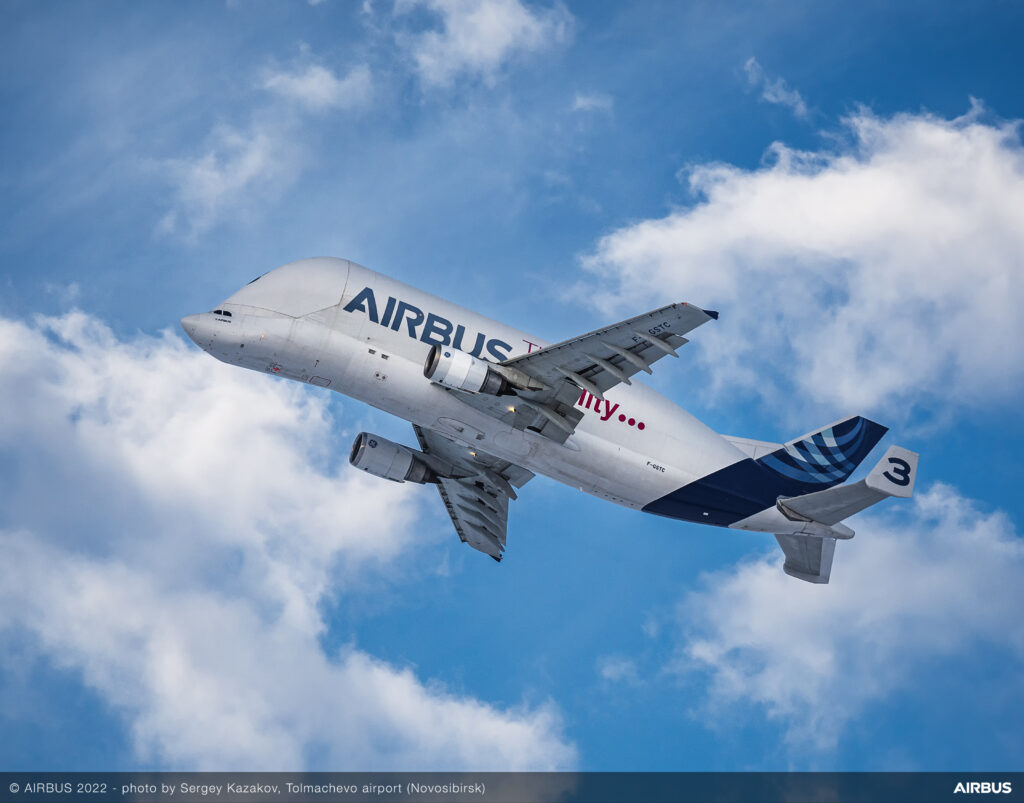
column 895, row 474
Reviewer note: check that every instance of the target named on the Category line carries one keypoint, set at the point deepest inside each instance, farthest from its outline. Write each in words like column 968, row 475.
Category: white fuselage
column 335, row 324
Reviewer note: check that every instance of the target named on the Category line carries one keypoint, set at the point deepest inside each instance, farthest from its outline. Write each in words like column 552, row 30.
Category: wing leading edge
column 594, row 362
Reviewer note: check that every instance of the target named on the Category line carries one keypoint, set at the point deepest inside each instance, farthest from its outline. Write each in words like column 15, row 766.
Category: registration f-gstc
column 492, row 406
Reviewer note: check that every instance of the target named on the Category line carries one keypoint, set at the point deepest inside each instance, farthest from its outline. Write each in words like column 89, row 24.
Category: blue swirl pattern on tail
column 828, row 456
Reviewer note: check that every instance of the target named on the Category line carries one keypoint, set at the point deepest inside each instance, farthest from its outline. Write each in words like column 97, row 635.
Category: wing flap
column 480, row 525
column 470, row 531
column 475, row 489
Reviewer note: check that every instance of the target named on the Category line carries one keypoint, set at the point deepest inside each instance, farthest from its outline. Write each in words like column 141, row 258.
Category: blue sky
column 193, row 577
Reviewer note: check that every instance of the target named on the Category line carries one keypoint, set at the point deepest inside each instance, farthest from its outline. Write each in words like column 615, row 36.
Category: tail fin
column 826, row 457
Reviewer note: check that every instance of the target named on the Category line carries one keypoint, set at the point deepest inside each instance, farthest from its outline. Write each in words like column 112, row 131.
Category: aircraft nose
column 190, row 323
column 199, row 330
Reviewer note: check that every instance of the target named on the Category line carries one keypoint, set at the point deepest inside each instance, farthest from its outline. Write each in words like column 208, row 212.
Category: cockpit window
column 258, row 278
column 227, row 314
column 223, row 312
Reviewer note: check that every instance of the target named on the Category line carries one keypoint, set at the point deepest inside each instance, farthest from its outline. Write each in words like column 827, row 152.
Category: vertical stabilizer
column 828, row 456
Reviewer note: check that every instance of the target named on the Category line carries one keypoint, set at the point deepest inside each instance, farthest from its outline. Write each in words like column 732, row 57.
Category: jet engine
column 390, row 460
column 456, row 369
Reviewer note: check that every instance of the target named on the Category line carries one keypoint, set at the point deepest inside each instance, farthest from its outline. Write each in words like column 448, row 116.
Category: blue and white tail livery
column 491, row 406
column 729, row 496
column 827, row 456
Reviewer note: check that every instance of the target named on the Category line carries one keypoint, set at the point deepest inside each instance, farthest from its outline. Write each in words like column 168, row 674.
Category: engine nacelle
column 390, row 460
column 456, row 369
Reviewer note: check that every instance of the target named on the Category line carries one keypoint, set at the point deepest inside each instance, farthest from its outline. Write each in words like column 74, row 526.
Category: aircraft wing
column 594, row 362
column 478, row 491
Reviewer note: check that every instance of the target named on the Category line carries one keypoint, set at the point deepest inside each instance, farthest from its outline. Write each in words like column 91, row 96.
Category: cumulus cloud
column 318, row 88
column 477, row 37
column 882, row 272
column 938, row 583
column 774, row 90
column 173, row 529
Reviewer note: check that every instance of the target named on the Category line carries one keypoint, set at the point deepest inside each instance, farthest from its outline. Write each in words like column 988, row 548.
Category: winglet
column 711, row 313
column 895, row 473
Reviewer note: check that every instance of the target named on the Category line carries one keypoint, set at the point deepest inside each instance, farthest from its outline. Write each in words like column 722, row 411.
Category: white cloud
column 595, row 101
column 881, row 274
column 318, row 89
column 174, row 527
column 941, row 583
column 617, row 669
column 239, row 169
column 774, row 90
column 478, row 36
column 235, row 170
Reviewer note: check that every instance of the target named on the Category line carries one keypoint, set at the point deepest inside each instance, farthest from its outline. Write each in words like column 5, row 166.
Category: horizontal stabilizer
column 808, row 557
column 893, row 475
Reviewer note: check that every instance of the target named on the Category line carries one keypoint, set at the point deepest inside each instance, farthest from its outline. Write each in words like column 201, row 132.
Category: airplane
column 492, row 406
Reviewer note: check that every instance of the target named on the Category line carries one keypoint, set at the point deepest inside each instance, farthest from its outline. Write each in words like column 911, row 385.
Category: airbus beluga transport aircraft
column 492, row 406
